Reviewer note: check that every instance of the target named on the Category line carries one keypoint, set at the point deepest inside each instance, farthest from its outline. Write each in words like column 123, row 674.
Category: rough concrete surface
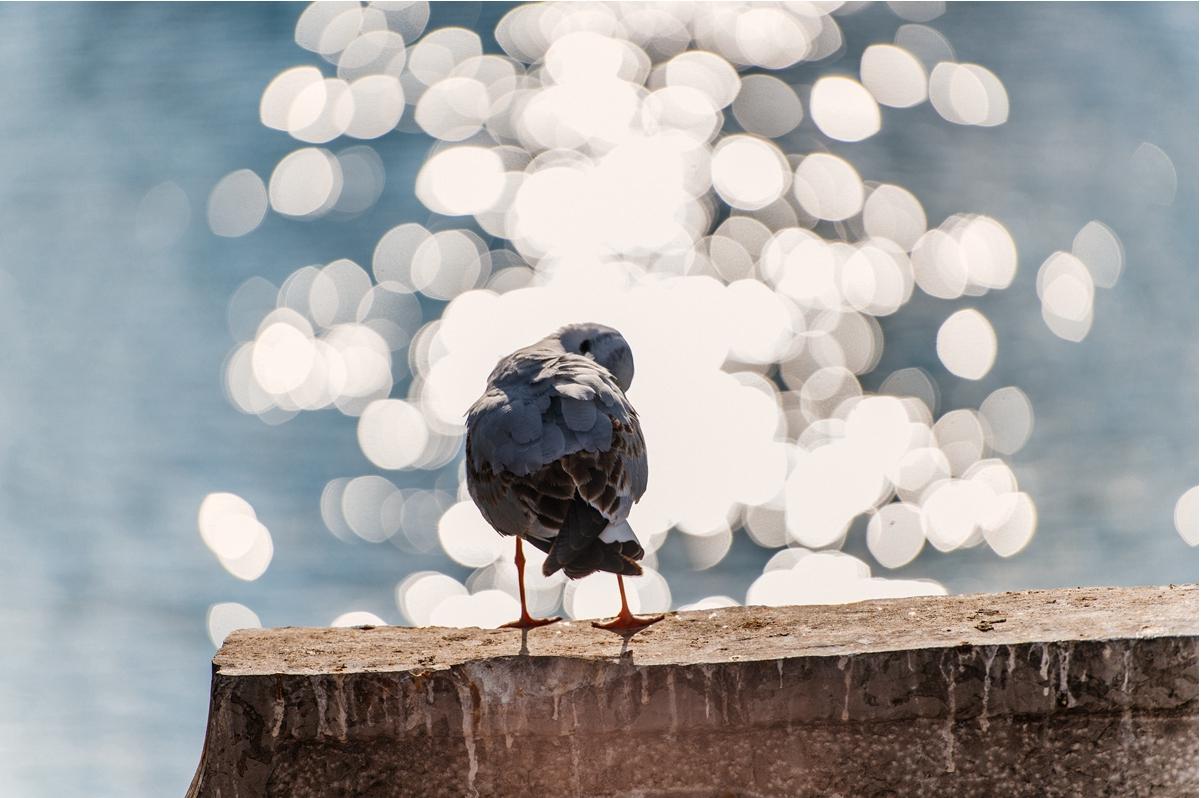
column 1085, row 692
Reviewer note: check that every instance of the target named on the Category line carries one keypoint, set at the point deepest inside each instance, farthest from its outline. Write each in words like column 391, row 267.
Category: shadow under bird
column 556, row 457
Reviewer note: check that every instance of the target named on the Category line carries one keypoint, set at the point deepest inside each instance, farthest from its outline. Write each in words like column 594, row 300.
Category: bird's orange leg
column 626, row 620
column 525, row 621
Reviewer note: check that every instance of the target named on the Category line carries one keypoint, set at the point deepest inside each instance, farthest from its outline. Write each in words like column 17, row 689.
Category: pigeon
column 556, row 458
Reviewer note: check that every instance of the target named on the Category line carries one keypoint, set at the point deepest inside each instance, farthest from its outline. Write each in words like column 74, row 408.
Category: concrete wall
column 1068, row 692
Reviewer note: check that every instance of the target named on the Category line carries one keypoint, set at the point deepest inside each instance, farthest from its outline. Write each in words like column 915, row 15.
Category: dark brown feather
column 572, row 500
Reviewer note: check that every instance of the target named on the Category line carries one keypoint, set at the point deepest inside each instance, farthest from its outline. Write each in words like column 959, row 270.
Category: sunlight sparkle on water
column 927, row 44
column 237, row 204
column 1010, row 522
column 1185, row 516
column 392, row 433
column 828, row 187
column 831, row 577
column 162, row 216
column 306, row 183
column 1152, row 174
column 709, row 603
column 767, row 106
column 231, row 530
column 593, row 176
column 378, row 102
column 967, row 344
column 358, row 618
column 749, row 173
column 371, row 507
column 844, row 110
column 894, row 534
column 968, row 94
column 461, row 181
column 467, row 538
column 1065, row 288
column 374, row 52
column 1100, row 250
column 227, row 617
column 420, row 593
column 453, row 109
column 918, row 10
column 433, row 57
column 893, row 75
column 1010, row 419
column 893, row 213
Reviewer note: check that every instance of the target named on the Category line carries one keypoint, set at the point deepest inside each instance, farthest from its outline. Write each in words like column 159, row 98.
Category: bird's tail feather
column 578, row 550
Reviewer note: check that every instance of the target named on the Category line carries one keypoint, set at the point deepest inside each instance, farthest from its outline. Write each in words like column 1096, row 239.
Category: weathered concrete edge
column 740, row 633
column 1133, row 672
column 1139, row 679
column 960, row 690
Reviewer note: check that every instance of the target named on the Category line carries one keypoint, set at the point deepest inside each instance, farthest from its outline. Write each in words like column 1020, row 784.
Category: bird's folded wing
column 564, row 430
column 544, row 410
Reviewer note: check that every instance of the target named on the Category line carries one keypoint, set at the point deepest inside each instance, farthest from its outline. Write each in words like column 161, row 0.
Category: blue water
column 113, row 425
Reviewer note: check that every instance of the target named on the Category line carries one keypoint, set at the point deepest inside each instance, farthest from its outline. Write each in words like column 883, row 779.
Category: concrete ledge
column 1087, row 692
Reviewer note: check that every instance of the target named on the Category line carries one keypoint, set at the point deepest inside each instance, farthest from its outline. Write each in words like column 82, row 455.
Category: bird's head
column 603, row 344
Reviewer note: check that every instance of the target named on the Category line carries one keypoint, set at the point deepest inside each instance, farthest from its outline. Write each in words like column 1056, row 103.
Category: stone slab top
column 736, row 633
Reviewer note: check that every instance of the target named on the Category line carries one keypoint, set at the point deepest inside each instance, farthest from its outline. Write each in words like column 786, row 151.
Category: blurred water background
column 113, row 312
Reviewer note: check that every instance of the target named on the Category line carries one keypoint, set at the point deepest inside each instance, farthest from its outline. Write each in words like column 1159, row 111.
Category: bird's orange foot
column 526, row 622
column 628, row 622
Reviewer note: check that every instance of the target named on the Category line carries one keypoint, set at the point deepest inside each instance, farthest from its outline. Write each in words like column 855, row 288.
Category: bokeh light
column 357, row 618
column 767, row 106
column 709, row 603
column 591, row 172
column 1065, row 288
column 1010, row 523
column 162, row 216
column 1099, row 249
column 893, row 75
column 749, row 173
column 894, row 534
column 306, row 183
column 392, row 433
column 967, row 344
column 892, row 212
column 1153, row 174
column 237, row 204
column 1184, row 516
column 461, row 181
column 843, row 109
column 231, row 530
column 229, row 616
column 371, row 507
column 827, row 187
column 466, row 537
column 706, row 72
column 1009, row 417
column 968, row 94
column 378, row 102
column 831, row 577
column 419, row 594
column 918, row 10
column 270, row 253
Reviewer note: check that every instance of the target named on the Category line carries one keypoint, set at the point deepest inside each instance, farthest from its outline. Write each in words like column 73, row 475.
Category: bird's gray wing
column 550, row 428
column 606, row 485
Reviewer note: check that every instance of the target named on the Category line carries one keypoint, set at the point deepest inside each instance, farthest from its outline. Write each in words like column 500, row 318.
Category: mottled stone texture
column 1042, row 693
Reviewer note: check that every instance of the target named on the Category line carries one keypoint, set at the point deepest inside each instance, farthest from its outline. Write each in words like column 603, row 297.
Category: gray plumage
column 555, row 451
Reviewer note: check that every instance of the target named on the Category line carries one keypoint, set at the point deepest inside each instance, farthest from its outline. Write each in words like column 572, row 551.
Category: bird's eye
column 585, row 346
